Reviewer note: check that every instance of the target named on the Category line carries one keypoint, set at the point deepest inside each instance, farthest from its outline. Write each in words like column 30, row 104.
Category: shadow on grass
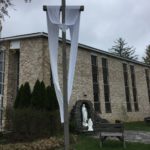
column 137, row 126
column 89, row 143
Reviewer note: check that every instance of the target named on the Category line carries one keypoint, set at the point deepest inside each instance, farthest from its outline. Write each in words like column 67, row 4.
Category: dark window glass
column 148, row 82
column 1, row 83
column 125, row 67
column 1, row 66
column 94, row 69
column 96, row 97
column 95, row 87
column 106, row 85
column 104, row 62
column 108, row 107
column 1, row 77
column 95, row 78
column 126, row 78
column 97, row 106
column 129, row 107
column 94, row 60
column 136, row 106
column 127, row 92
column 95, row 83
column 1, row 56
column 134, row 90
column 105, row 75
column 0, row 88
column 18, row 60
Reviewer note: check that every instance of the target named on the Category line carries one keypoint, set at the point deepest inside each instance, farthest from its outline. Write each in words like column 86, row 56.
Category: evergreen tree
column 25, row 97
column 51, row 99
column 48, row 104
column 121, row 49
column 18, row 97
column 43, row 94
column 147, row 57
column 38, row 95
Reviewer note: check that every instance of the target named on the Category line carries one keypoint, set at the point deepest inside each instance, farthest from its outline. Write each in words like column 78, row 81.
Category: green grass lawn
column 137, row 126
column 89, row 143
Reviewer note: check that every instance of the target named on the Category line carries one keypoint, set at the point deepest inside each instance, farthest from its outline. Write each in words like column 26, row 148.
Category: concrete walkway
column 137, row 136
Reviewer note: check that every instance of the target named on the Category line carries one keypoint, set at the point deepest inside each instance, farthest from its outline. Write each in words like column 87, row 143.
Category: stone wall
column 31, row 60
column 34, row 64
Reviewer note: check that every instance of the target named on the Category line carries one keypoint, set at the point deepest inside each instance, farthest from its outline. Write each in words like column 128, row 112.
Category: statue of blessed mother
column 84, row 116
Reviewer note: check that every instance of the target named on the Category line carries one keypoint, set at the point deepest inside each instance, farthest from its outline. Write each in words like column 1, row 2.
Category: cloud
column 102, row 22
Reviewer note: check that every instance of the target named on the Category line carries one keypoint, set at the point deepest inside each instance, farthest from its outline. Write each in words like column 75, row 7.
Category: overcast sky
column 102, row 22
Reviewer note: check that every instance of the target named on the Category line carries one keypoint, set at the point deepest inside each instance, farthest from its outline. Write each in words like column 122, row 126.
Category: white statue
column 90, row 125
column 85, row 116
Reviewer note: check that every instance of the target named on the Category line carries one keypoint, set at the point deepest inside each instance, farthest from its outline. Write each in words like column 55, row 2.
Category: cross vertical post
column 65, row 94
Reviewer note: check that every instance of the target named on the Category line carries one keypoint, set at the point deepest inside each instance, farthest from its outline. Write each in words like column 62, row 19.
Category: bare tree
column 4, row 4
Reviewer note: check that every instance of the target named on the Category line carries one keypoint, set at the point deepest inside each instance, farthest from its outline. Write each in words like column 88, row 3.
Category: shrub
column 29, row 123
column 38, row 96
column 51, row 102
column 23, row 98
column 18, row 97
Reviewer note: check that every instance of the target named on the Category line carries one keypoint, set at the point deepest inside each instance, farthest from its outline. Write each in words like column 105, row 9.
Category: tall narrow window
column 95, row 83
column 106, row 85
column 126, row 84
column 18, row 63
column 134, row 90
column 1, row 84
column 148, row 83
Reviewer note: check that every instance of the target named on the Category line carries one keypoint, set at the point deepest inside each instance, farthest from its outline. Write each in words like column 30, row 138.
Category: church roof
column 92, row 49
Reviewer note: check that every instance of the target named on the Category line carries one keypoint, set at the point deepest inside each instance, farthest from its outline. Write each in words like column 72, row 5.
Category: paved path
column 137, row 136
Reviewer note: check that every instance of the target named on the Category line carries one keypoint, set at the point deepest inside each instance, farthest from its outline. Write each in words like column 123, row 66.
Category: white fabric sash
column 72, row 22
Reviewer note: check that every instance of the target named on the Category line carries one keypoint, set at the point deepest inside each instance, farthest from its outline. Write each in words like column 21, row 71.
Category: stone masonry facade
column 31, row 62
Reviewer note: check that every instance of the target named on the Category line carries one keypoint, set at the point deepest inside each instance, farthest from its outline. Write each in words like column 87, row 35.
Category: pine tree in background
column 25, row 98
column 121, row 49
column 147, row 57
column 18, row 97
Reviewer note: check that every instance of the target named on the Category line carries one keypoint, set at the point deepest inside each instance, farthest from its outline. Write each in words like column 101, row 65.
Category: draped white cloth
column 72, row 22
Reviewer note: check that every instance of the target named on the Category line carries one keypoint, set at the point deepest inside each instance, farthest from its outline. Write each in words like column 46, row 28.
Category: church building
column 119, row 88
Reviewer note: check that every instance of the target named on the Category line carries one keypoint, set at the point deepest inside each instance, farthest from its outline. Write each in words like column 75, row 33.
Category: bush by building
column 36, row 113
column 32, row 123
column 51, row 102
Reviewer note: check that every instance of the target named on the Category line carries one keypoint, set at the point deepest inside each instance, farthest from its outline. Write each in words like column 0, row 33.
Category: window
column 18, row 62
column 126, row 84
column 134, row 90
column 1, row 83
column 106, row 85
column 95, row 83
column 148, row 83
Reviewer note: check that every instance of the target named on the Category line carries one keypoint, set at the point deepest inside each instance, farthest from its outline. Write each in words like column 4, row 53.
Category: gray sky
column 102, row 22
